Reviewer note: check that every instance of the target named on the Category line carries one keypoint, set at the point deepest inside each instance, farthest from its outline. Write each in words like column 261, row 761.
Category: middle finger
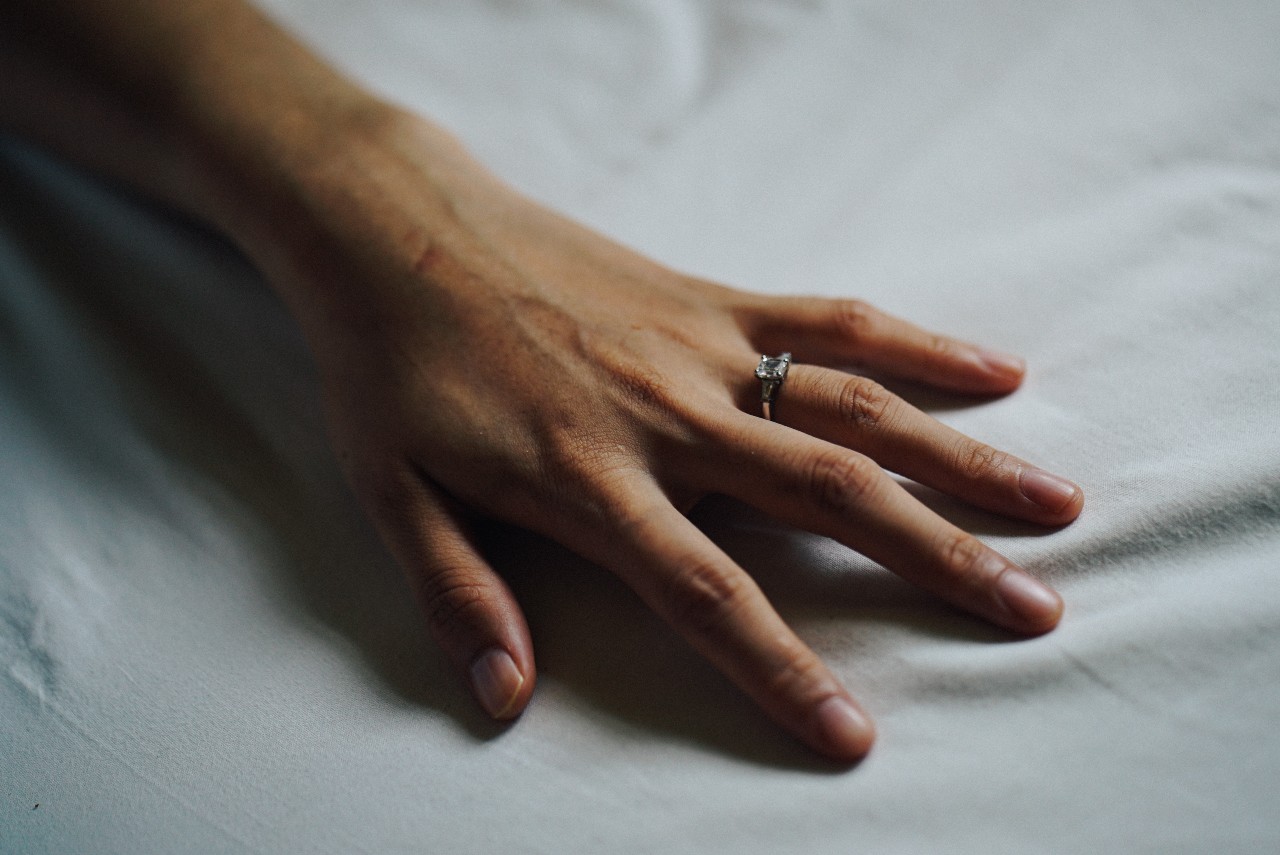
column 830, row 490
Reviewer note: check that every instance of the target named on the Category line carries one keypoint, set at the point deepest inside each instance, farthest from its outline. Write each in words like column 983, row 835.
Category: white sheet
column 204, row 648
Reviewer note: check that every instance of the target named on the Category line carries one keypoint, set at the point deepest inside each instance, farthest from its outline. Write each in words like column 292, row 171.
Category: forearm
column 205, row 104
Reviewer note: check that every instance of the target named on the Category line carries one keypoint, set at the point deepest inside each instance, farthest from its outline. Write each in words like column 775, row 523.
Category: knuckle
column 450, row 599
column 586, row 476
column 866, row 404
column 962, row 558
column 941, row 345
column 854, row 319
column 841, row 481
column 571, row 462
column 702, row 596
column 799, row 671
column 978, row 461
column 644, row 387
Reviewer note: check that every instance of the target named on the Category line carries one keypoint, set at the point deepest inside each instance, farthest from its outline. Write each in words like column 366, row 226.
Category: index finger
column 850, row 332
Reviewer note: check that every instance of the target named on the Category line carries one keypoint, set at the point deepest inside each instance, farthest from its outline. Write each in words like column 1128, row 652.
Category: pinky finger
column 470, row 610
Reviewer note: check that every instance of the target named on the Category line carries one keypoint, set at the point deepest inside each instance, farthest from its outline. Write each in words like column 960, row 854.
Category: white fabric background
column 203, row 648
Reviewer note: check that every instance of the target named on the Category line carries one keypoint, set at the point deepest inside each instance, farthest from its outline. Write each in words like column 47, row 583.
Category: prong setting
column 771, row 372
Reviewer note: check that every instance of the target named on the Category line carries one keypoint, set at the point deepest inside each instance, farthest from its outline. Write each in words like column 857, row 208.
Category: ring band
column 771, row 371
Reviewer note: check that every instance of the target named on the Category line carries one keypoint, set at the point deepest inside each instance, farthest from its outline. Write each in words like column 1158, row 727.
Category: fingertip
column 500, row 686
column 1074, row 507
column 1002, row 365
column 990, row 372
column 974, row 370
column 1031, row 606
column 1061, row 499
column 841, row 730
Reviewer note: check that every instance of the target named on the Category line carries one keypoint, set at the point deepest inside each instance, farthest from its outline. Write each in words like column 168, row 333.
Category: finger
column 861, row 414
column 842, row 494
column 851, row 332
column 723, row 614
column 470, row 610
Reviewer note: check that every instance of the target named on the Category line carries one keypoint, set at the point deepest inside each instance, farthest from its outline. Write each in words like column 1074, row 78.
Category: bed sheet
column 203, row 648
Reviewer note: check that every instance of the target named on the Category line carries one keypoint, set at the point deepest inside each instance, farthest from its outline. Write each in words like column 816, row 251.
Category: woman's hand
column 483, row 356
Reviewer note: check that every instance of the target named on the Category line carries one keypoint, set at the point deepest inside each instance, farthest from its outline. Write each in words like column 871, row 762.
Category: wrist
column 337, row 207
column 261, row 179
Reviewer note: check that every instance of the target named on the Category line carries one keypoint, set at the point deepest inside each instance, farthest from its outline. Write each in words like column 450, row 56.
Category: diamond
column 773, row 367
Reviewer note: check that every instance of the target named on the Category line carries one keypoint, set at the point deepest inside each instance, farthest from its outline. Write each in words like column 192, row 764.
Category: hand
column 483, row 356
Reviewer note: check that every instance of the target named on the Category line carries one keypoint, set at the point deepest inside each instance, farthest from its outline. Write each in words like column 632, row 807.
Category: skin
column 483, row 356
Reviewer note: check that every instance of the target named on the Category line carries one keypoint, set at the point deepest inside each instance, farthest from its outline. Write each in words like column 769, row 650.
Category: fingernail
column 1027, row 599
column 843, row 729
column 1004, row 364
column 496, row 681
column 1048, row 491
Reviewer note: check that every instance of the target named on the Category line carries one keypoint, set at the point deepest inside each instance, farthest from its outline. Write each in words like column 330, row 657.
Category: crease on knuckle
column 942, row 346
column 855, row 319
column 841, row 481
column 963, row 559
column 593, row 490
column 979, row 461
column 645, row 387
column 448, row 598
column 701, row 597
column 798, row 675
column 865, row 404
